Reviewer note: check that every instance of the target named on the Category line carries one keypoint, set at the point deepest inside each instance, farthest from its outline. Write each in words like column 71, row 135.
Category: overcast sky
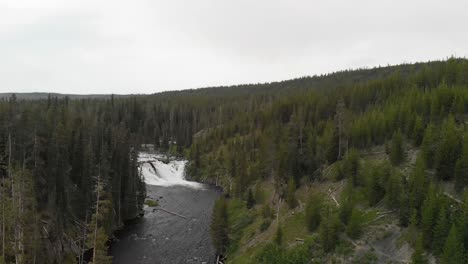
column 147, row 46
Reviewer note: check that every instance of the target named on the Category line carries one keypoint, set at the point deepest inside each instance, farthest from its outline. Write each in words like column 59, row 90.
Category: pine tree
column 340, row 123
column 397, row 153
column 418, row 131
column 313, row 211
column 461, row 167
column 346, row 209
column 250, row 199
column 354, row 228
column 428, row 216
column 463, row 223
column 351, row 166
column 453, row 249
column 448, row 151
column 279, row 236
column 404, row 213
column 418, row 256
column 441, row 230
column 100, row 248
column 418, row 183
column 291, row 194
column 375, row 190
column 329, row 230
column 219, row 226
column 429, row 145
column 103, row 207
column 331, row 145
column 394, row 189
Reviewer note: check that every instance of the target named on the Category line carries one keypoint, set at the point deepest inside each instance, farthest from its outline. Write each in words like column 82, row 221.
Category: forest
column 341, row 162
column 308, row 166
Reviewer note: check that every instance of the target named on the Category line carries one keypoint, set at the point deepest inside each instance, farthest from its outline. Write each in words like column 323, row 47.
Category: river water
column 182, row 236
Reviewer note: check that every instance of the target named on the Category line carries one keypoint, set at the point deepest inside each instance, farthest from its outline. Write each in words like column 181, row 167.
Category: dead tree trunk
column 98, row 192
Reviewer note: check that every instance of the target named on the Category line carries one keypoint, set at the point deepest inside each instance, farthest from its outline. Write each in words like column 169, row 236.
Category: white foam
column 170, row 174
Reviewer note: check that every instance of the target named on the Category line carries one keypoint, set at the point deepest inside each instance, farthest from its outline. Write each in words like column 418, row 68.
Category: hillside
column 363, row 166
column 362, row 173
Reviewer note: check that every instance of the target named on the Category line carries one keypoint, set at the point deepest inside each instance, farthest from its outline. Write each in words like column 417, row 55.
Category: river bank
column 178, row 234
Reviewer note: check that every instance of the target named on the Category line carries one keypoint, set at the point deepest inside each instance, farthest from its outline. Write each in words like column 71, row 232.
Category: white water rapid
column 156, row 172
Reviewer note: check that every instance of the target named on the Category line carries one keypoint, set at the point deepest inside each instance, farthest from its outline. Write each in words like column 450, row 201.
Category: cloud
column 149, row 46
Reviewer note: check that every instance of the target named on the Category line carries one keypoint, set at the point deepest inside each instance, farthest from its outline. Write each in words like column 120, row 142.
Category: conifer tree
column 428, row 217
column 329, row 229
column 346, row 209
column 418, row 256
column 394, row 188
column 441, row 230
column 418, row 131
column 354, row 228
column 463, row 223
column 250, row 199
column 291, row 194
column 219, row 226
column 453, row 249
column 98, row 237
column 279, row 235
column 397, row 153
column 418, row 183
column 429, row 145
column 448, row 150
column 351, row 166
column 405, row 209
column 461, row 167
column 313, row 211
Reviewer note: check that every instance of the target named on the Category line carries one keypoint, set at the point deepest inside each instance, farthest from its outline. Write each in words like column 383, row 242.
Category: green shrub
column 151, row 203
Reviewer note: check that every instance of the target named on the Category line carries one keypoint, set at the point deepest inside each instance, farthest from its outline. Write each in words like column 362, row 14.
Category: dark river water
column 161, row 237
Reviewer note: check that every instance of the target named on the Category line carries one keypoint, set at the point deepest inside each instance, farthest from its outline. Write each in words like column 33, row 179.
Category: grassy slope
column 383, row 240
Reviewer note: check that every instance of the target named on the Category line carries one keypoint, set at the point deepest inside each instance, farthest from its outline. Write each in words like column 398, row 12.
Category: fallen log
column 453, row 198
column 334, row 199
column 167, row 211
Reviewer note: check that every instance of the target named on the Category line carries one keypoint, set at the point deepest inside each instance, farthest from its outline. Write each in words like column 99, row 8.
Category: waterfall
column 156, row 172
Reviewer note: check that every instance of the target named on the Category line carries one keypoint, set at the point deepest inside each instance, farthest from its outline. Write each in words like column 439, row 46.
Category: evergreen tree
column 429, row 145
column 397, row 153
column 463, row 223
column 394, row 189
column 279, row 236
column 418, row 183
column 291, row 194
column 441, row 230
column 351, row 166
column 428, row 217
column 418, row 256
column 313, row 211
column 329, row 230
column 332, row 145
column 346, row 209
column 448, row 150
column 219, row 226
column 355, row 225
column 461, row 167
column 405, row 209
column 453, row 249
column 250, row 199
column 418, row 131
column 375, row 189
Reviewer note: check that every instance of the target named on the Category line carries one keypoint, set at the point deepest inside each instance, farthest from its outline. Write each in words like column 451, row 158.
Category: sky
column 149, row 46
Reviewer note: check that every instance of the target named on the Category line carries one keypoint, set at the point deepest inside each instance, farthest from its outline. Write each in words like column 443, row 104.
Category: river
column 179, row 235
